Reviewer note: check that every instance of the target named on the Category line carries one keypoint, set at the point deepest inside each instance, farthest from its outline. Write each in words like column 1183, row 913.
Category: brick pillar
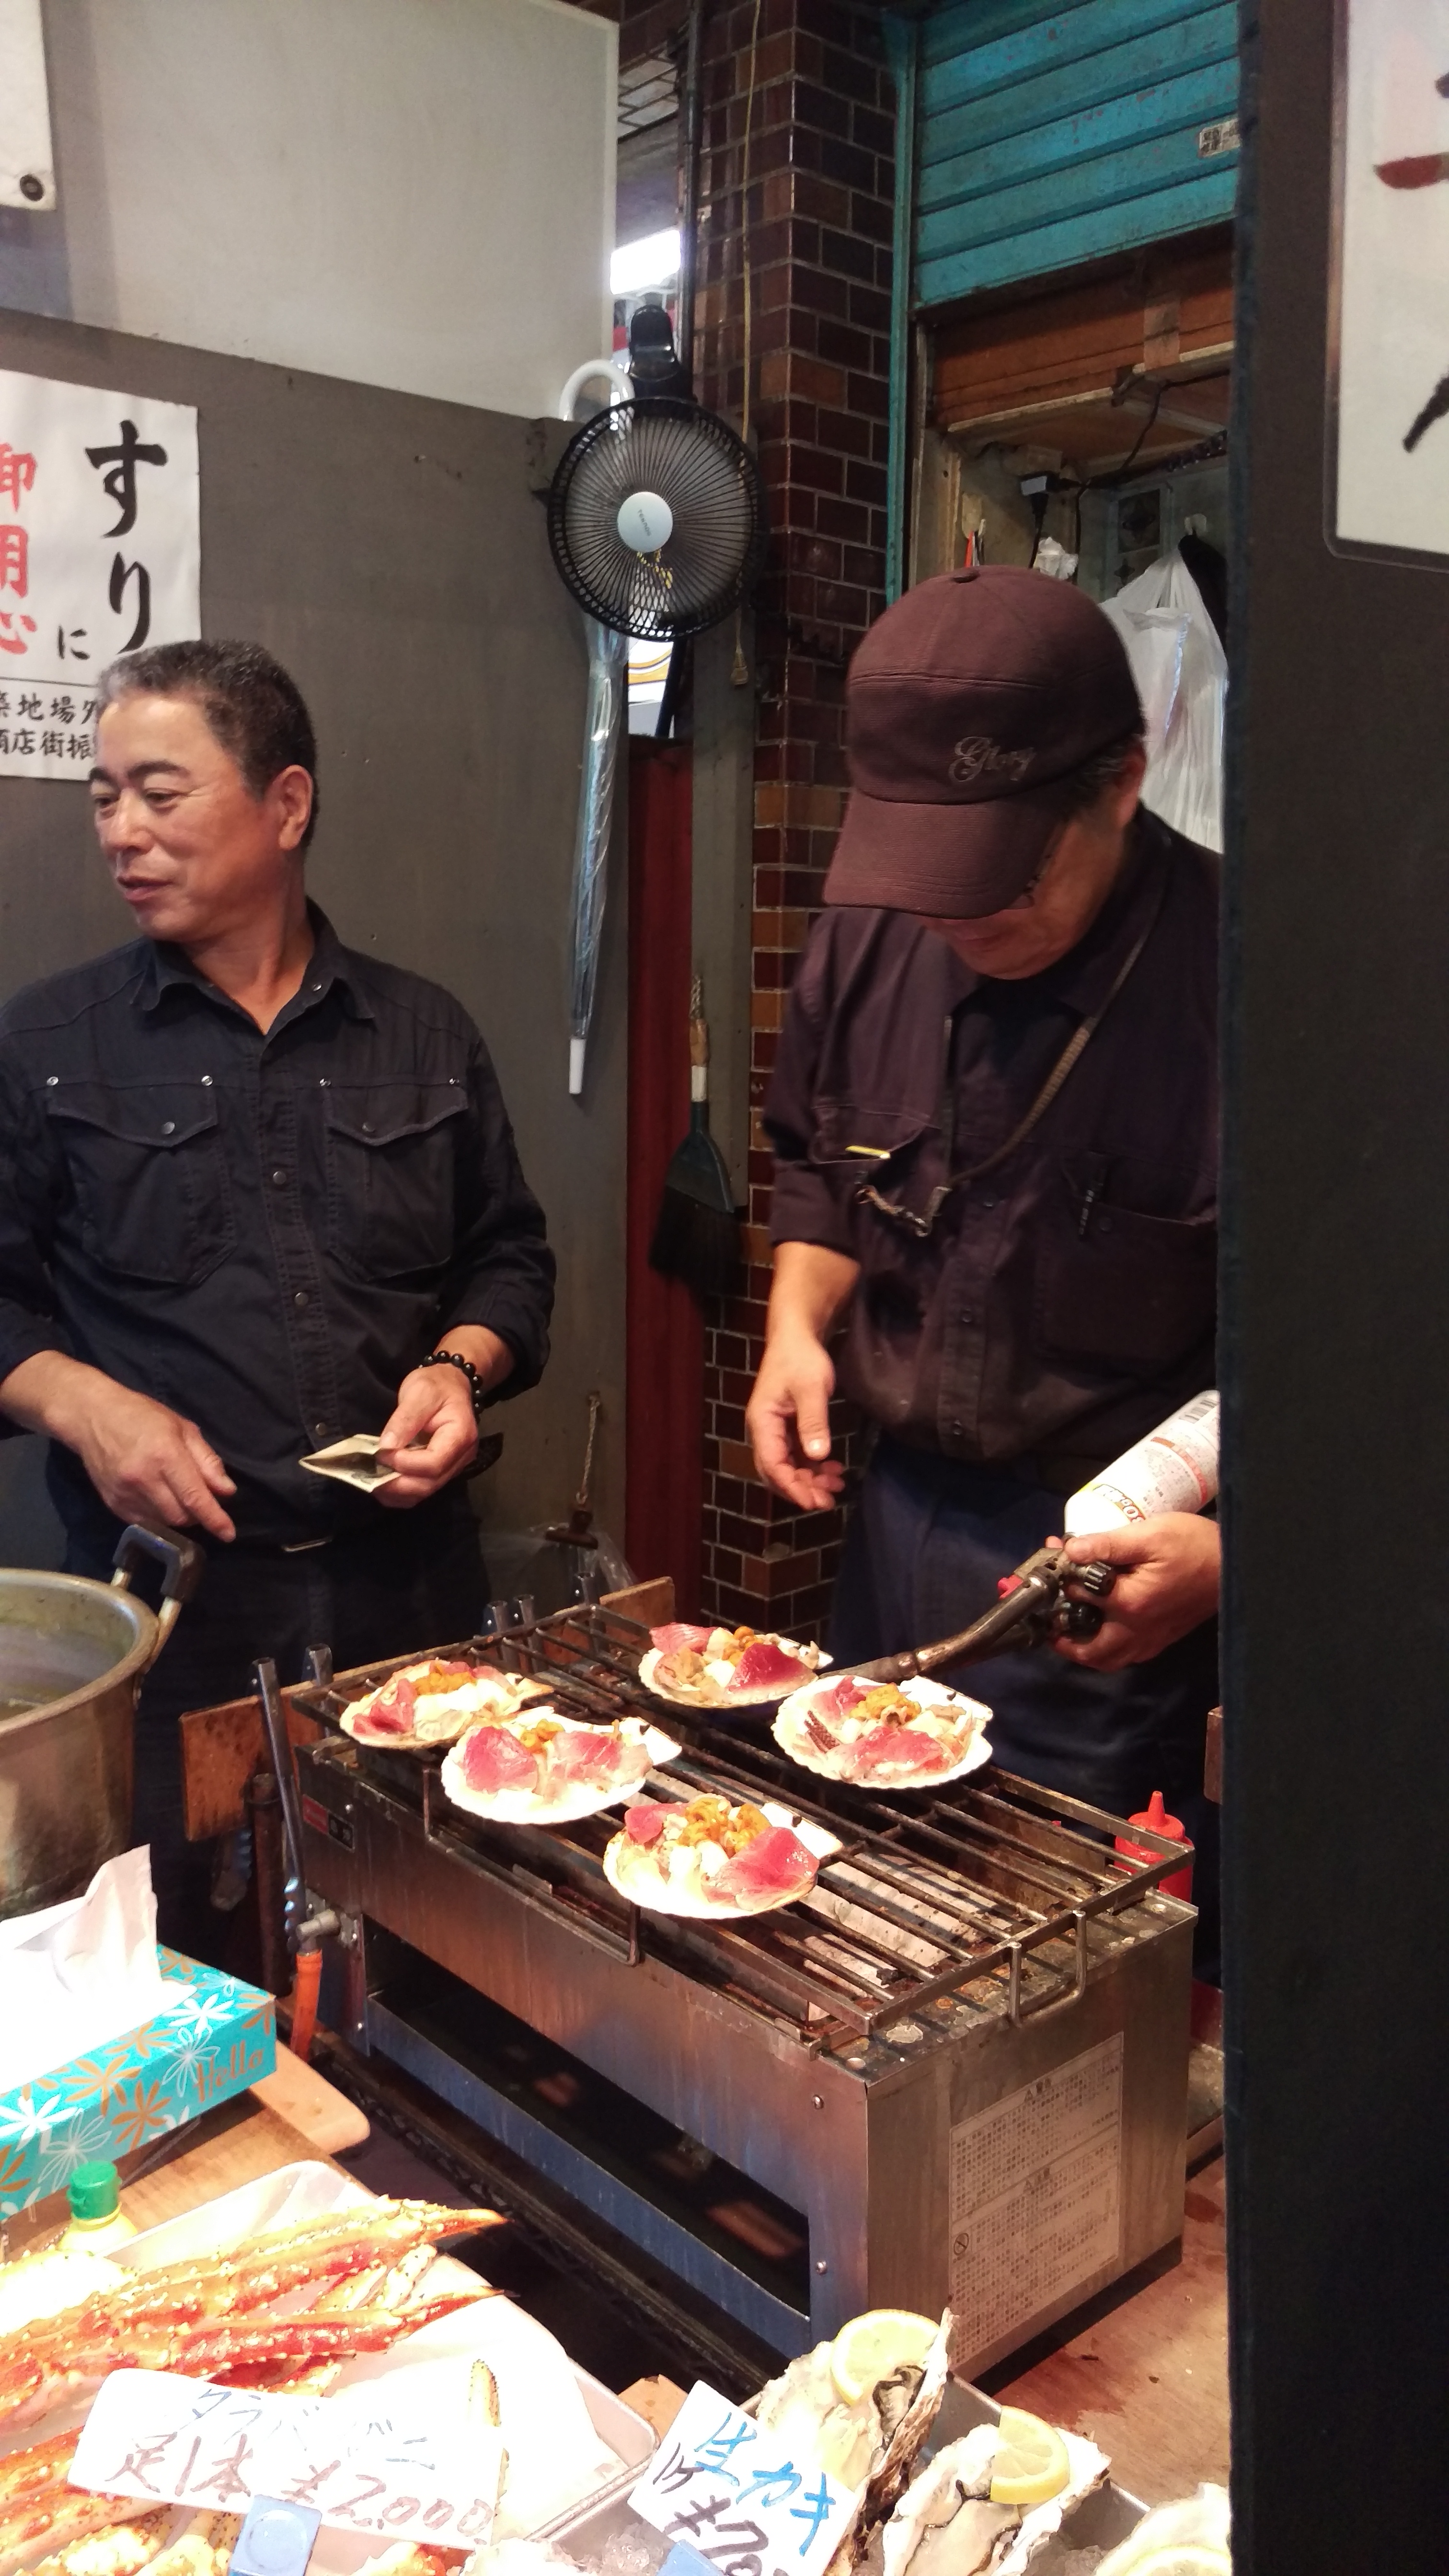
column 821, row 170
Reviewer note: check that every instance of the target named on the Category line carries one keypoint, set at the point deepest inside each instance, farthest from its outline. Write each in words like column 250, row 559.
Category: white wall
column 409, row 193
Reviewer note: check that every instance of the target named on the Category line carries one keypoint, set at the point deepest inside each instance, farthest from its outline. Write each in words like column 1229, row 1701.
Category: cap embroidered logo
column 977, row 756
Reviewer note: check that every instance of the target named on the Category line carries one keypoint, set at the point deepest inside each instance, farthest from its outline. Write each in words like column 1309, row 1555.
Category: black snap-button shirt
column 1066, row 1302
column 264, row 1231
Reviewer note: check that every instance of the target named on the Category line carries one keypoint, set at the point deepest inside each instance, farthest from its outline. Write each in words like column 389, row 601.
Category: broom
column 697, row 1232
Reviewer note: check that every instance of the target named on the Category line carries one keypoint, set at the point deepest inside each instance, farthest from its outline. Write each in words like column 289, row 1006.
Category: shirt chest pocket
column 1134, row 1291
column 392, row 1176
column 149, row 1178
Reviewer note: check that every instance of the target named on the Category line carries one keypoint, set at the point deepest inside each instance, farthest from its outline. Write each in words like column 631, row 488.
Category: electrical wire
column 1144, row 433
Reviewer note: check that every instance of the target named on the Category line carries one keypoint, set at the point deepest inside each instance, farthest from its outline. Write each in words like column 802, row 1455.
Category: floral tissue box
column 218, row 2037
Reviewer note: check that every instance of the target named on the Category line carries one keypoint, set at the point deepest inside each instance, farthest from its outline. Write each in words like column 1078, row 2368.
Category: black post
column 269, row 1872
column 1336, row 1374
column 689, row 189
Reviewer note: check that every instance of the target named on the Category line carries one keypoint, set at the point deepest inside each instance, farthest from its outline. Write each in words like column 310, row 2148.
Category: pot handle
column 183, row 1564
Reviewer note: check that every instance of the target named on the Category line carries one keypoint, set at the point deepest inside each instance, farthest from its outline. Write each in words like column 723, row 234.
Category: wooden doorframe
column 664, row 1328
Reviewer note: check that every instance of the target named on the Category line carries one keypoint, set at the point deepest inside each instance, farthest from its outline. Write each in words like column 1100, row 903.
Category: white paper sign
column 729, row 2492
column 362, row 2460
column 1392, row 473
column 100, row 553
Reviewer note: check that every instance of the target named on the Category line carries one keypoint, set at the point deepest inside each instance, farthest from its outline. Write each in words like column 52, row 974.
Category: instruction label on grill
column 1036, row 2196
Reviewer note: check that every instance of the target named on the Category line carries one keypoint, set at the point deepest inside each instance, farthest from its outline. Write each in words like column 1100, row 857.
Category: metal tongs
column 1033, row 1609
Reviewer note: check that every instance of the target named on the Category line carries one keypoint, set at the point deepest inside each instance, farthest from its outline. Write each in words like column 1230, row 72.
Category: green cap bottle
column 95, row 2191
column 97, row 2220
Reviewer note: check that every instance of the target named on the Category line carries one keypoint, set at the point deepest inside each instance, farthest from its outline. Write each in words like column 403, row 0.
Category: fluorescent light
column 650, row 262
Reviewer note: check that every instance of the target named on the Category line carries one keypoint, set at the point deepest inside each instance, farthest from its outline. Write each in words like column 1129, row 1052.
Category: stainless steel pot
column 73, row 1655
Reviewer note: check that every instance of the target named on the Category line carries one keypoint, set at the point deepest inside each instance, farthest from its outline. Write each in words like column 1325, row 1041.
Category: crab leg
column 327, row 2249
column 232, row 2348
column 126, row 2543
column 25, row 2472
column 246, row 2344
column 55, row 2522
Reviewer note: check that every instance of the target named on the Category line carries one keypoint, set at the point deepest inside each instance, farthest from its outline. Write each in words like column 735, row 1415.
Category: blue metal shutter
column 1047, row 140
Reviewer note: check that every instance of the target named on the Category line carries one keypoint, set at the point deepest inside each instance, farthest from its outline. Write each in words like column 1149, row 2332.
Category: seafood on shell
column 871, row 2443
column 433, row 1702
column 725, row 1667
column 946, row 2524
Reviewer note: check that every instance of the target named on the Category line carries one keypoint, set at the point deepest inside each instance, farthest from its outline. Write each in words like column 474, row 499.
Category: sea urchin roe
column 886, row 1706
column 539, row 1734
column 713, row 1820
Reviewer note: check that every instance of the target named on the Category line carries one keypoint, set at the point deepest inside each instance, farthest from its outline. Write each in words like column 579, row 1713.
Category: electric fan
column 656, row 517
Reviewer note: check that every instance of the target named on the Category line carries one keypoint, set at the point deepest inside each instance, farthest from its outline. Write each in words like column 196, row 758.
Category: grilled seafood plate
column 545, row 1768
column 878, row 1737
column 705, row 1857
column 947, row 2523
column 869, row 2441
column 725, row 1667
column 432, row 1702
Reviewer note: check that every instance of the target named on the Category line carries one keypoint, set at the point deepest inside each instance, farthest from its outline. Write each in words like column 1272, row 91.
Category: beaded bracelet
column 455, row 1359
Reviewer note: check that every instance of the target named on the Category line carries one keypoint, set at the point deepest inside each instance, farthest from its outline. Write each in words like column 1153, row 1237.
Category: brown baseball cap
column 969, row 706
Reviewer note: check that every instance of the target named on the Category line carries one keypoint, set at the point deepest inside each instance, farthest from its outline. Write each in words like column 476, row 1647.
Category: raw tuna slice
column 493, row 1760
column 776, row 1863
column 899, row 1749
column 390, row 1716
column 596, row 1759
column 645, row 1824
column 764, row 1664
column 677, row 1634
column 839, row 1699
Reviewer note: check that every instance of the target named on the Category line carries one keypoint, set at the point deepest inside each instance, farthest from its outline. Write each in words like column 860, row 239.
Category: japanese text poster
column 1392, row 483
column 100, row 553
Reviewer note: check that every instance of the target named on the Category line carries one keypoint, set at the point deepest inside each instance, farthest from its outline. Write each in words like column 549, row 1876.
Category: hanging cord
column 923, row 1224
column 739, row 669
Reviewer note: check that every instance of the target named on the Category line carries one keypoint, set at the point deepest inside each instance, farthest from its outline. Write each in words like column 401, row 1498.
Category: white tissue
column 77, row 1975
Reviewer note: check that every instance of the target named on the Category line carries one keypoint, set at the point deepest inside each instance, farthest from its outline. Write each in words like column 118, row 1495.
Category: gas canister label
column 1036, row 2197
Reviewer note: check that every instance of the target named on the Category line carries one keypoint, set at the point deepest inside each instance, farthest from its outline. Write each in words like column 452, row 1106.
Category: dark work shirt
column 264, row 1231
column 1065, row 1302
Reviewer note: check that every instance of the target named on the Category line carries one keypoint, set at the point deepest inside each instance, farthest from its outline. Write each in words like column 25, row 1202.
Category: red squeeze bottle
column 1157, row 1820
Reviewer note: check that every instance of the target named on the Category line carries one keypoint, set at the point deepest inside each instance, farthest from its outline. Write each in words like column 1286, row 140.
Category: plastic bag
column 1054, row 561
column 1181, row 673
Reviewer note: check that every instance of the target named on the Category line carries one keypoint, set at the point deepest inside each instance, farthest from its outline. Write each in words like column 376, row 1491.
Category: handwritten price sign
column 359, row 2462
column 726, row 2490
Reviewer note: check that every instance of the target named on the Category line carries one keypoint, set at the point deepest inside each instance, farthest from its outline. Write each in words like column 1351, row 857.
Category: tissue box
column 216, row 2038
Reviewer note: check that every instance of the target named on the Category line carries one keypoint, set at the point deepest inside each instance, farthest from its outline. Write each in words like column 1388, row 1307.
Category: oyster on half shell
column 870, row 2444
column 946, row 2525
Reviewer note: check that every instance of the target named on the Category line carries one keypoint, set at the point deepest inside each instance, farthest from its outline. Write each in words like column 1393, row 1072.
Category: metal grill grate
column 991, row 1879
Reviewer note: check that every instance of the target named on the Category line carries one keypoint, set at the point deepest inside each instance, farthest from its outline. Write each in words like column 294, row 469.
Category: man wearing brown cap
column 994, row 1121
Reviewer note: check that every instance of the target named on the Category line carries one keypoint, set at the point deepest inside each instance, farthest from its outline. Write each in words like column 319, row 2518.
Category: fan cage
column 712, row 484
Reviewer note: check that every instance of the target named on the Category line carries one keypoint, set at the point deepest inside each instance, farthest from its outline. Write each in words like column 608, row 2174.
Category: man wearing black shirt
column 994, row 1121
column 256, row 1192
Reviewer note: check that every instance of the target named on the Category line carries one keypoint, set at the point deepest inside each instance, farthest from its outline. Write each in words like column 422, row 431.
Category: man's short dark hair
column 254, row 708
column 1095, row 776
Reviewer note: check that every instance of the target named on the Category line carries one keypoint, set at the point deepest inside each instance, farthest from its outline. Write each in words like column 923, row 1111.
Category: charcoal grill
column 962, row 2059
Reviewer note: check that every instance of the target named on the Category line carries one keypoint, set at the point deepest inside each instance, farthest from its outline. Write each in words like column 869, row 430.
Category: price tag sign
column 363, row 2462
column 722, row 2488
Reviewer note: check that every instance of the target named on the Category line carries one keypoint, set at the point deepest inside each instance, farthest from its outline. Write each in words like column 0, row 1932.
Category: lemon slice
column 1185, row 2558
column 1031, row 2462
column 873, row 2345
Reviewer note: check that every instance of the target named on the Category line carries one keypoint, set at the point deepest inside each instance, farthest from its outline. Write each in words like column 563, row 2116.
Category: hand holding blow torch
column 1035, row 1609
